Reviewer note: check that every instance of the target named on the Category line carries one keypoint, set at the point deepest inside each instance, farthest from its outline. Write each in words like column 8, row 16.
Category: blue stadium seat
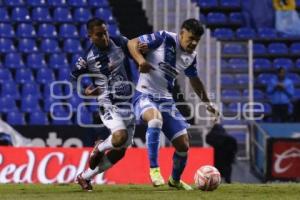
column 233, row 48
column 236, row 18
column 47, row 102
column 267, row 33
column 264, row 78
column 45, row 76
column 230, row 3
column 57, row 90
column 4, row 17
column 75, row 58
column 36, row 3
column 36, row 61
column 50, row 46
column 113, row 30
column 20, row 14
column 26, row 30
column 7, row 104
column 202, row 18
column 259, row 49
column 5, row 75
column 64, row 73
column 245, row 33
column 75, row 100
column 63, row 113
column 234, row 107
column 267, row 108
column 278, row 48
column 14, row 3
column 83, row 31
column 230, row 94
column 61, row 14
column 98, row 3
column 258, row 94
column 223, row 33
column 227, row 79
column 57, row 3
column 216, row 18
column 57, row 61
column 6, row 30
column 68, row 31
column 31, row 88
column 30, row 104
column 242, row 79
column 298, row 3
column 283, row 62
column 77, row 3
column 6, row 45
column 238, row 63
column 38, row 118
column 15, row 118
column 47, row 31
column 86, row 44
column 84, row 117
column 41, row 14
column 82, row 15
column 104, row 14
column 262, row 64
column 27, row 45
column 294, row 77
column 13, row 60
column 297, row 94
column 23, row 75
column 295, row 48
column 72, row 46
column 9, row 88
column 208, row 3
column 297, row 64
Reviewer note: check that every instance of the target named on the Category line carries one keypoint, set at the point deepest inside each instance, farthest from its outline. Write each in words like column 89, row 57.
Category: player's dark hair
column 94, row 22
column 194, row 26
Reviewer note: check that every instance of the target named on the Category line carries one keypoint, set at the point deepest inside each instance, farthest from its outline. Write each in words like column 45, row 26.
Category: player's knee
column 155, row 123
column 183, row 147
column 119, row 138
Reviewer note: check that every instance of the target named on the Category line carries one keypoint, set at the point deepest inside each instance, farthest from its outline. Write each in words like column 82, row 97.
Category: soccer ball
column 207, row 178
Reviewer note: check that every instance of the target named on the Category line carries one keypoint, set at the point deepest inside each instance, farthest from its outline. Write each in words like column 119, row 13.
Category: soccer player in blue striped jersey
column 105, row 61
column 168, row 55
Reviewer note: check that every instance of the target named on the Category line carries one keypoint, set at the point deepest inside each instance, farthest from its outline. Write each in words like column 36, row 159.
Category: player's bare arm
column 198, row 87
column 136, row 50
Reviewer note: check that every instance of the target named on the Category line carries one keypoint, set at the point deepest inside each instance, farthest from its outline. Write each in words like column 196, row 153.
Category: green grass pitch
column 287, row 191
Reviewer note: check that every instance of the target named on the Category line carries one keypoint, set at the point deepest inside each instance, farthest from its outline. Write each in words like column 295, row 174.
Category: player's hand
column 91, row 91
column 214, row 112
column 145, row 67
column 143, row 47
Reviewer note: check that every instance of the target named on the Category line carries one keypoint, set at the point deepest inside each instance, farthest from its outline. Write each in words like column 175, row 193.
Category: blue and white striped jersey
column 109, row 68
column 168, row 60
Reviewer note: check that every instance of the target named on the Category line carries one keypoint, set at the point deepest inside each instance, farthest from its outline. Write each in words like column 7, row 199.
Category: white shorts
column 116, row 119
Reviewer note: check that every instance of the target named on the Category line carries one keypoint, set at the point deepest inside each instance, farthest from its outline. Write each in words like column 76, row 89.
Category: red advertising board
column 284, row 159
column 61, row 165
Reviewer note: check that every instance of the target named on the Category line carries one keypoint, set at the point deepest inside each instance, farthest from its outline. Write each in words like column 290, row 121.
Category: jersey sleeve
column 79, row 68
column 153, row 40
column 191, row 71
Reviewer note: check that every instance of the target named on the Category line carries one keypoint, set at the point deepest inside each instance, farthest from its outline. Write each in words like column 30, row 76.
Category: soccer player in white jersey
column 168, row 55
column 107, row 58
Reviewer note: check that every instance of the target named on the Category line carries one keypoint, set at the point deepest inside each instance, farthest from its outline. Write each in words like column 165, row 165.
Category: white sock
column 106, row 144
column 103, row 166
column 90, row 173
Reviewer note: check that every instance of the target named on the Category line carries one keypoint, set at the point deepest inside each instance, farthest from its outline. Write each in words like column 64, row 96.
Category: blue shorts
column 174, row 124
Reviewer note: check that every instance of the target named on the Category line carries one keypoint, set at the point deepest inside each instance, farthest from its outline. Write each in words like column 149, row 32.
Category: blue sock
column 152, row 138
column 179, row 162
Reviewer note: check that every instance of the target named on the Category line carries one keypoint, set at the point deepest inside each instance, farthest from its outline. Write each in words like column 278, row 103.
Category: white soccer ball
column 207, row 178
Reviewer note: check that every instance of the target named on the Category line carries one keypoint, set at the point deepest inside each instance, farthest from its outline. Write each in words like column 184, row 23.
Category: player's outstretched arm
column 198, row 87
column 136, row 49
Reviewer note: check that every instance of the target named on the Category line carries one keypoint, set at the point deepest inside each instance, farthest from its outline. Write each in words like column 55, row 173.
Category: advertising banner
column 61, row 165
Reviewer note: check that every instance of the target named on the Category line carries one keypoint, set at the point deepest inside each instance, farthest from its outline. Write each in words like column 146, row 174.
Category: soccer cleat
column 156, row 178
column 96, row 155
column 85, row 184
column 180, row 185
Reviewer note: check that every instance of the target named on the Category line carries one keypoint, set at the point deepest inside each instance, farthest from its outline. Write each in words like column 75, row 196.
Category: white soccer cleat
column 156, row 177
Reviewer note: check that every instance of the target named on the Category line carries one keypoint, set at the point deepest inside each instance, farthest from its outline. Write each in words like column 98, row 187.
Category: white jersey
column 168, row 60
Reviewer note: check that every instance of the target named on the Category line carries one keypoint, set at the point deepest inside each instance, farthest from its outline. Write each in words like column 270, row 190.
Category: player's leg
column 154, row 121
column 175, row 130
column 147, row 110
